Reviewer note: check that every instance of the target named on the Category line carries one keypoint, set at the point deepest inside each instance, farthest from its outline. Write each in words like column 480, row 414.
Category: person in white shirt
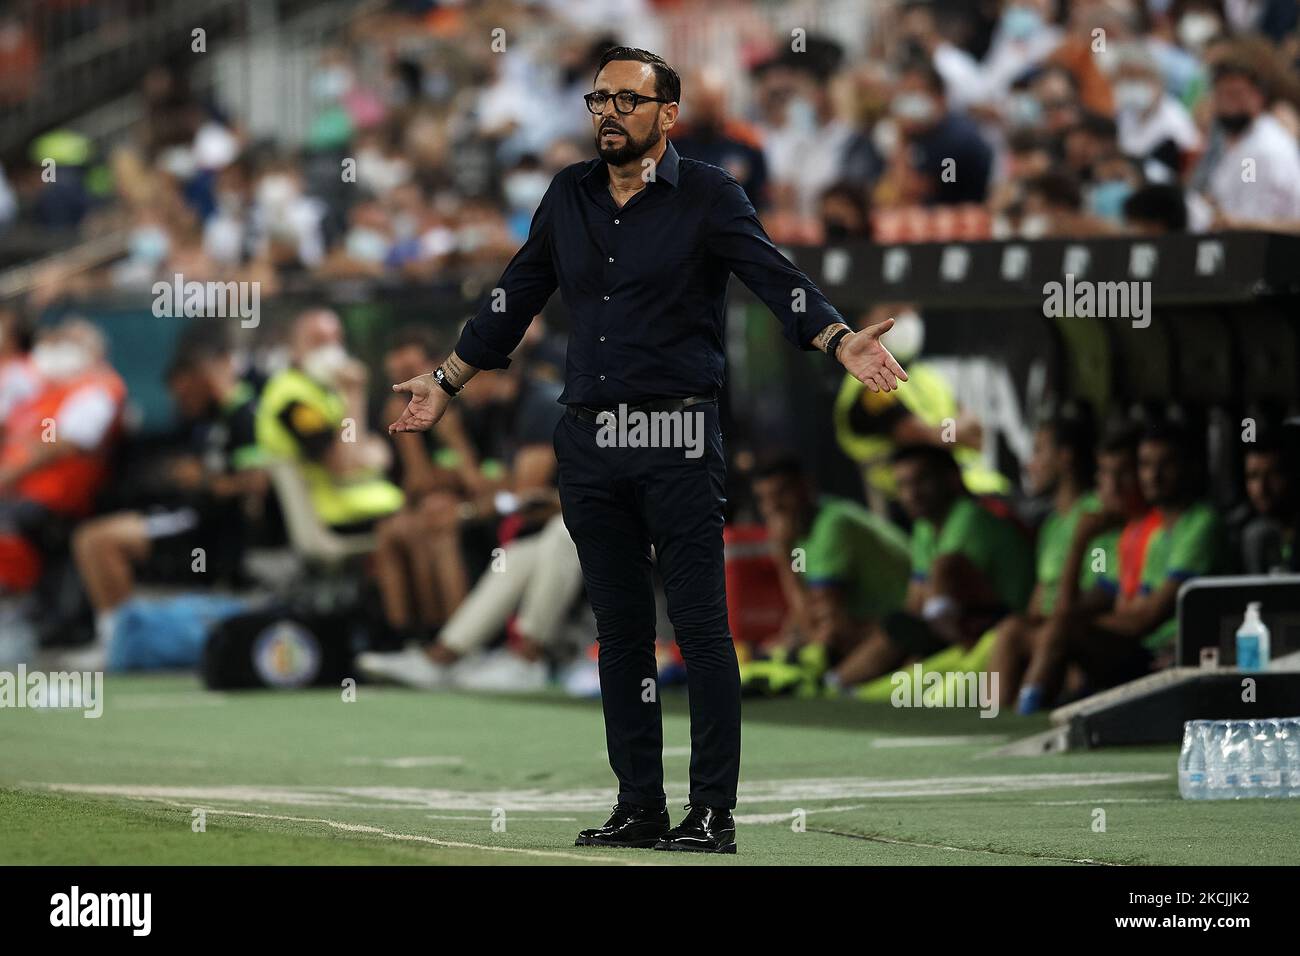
column 1252, row 178
column 1153, row 126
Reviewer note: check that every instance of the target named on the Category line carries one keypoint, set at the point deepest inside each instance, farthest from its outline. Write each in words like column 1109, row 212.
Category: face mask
column 916, row 107
column 801, row 114
column 1034, row 226
column 525, row 190
column 1195, row 29
column 1021, row 23
column 1134, row 97
column 1234, row 124
column 1024, row 109
column 325, row 362
column 367, row 245
column 331, row 83
column 149, row 244
column 835, row 231
column 884, row 136
column 906, row 339
column 1107, row 199
column 58, row 361
column 275, row 190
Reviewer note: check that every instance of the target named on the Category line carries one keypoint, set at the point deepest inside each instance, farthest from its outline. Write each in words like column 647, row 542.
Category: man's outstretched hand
column 869, row 361
column 426, row 408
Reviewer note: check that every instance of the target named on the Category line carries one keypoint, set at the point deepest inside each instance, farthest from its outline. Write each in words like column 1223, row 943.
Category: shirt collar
column 667, row 171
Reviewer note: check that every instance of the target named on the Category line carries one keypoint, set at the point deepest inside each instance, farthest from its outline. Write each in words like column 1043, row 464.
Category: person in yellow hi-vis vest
column 304, row 416
column 869, row 426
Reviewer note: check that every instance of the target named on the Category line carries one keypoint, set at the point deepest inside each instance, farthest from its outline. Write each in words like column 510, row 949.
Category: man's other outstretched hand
column 426, row 408
column 869, row 361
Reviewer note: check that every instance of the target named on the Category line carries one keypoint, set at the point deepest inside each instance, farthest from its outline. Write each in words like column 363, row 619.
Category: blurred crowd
column 1062, row 580
column 428, row 144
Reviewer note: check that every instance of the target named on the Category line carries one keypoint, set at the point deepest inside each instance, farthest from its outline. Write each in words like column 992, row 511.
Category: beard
column 631, row 148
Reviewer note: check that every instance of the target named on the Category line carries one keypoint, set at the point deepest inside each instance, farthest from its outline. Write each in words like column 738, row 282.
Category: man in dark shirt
column 947, row 160
column 208, row 489
column 641, row 244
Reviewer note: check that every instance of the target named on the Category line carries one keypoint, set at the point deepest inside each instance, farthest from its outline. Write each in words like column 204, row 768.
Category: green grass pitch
column 401, row 777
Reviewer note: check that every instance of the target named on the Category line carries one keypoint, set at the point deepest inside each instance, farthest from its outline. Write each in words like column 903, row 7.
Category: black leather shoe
column 705, row 830
column 628, row 826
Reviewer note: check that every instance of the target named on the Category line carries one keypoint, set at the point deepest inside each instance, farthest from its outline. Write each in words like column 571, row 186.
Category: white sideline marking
column 404, row 763
column 164, row 701
column 786, row 793
column 415, row 838
column 461, row 816
column 885, row 743
column 1093, row 803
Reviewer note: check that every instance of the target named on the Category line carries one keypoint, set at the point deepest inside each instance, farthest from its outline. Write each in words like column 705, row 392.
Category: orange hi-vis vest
column 69, row 484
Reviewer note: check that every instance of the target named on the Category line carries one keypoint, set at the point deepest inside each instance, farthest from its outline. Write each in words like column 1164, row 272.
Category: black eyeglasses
column 625, row 101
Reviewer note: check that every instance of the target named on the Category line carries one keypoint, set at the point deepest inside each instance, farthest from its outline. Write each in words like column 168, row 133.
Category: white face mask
column 906, row 339
column 325, row 362
column 59, row 361
column 916, row 107
column 1194, row 29
column 1134, row 96
column 276, row 190
column 801, row 115
column 366, row 245
column 1034, row 226
column 884, row 136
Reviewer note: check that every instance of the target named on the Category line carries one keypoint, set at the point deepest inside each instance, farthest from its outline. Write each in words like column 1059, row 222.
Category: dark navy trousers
column 617, row 502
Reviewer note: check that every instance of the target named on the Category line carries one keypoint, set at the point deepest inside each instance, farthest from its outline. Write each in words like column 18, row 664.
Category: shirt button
column 602, row 378
column 616, row 222
column 602, row 338
column 606, row 298
column 611, row 258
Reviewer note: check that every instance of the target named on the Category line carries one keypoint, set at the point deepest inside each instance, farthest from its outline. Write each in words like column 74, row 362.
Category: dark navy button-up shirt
column 645, row 284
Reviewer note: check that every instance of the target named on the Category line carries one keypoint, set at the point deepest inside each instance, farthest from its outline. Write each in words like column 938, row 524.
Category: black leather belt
column 588, row 413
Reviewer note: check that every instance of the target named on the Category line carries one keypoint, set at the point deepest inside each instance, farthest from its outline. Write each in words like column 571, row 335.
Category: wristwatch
column 440, row 377
column 833, row 345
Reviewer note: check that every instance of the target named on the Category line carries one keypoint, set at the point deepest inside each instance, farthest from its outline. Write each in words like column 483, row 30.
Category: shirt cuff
column 473, row 350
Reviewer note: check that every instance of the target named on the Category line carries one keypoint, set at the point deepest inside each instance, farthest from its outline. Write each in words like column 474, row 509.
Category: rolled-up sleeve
column 527, row 282
column 734, row 234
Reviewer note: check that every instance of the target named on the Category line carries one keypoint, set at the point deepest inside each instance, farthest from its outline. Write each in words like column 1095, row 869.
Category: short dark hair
column 192, row 355
column 413, row 336
column 668, row 85
column 778, row 465
column 1170, row 432
column 926, row 71
column 1239, row 65
column 932, row 456
column 1097, row 125
column 1073, row 428
column 1058, row 188
column 1120, row 438
column 1158, row 202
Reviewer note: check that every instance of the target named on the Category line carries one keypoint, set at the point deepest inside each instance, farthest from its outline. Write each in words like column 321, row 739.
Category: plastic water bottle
column 1289, row 745
column 1191, row 761
column 1232, row 759
column 1252, row 641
